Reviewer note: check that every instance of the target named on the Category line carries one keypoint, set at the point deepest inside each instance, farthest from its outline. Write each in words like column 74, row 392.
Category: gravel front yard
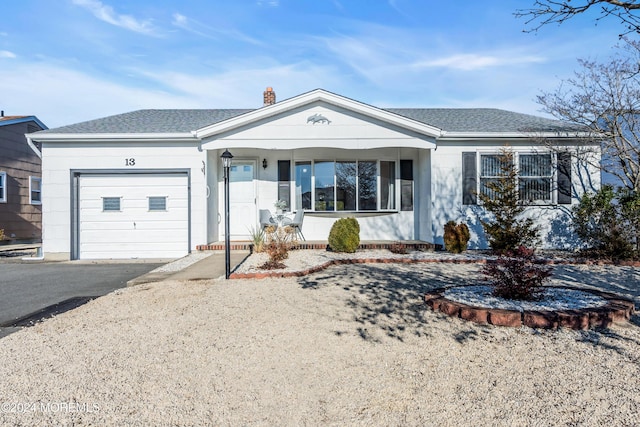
column 351, row 345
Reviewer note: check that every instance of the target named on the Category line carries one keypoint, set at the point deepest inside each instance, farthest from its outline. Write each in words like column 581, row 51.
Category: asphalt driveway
column 26, row 288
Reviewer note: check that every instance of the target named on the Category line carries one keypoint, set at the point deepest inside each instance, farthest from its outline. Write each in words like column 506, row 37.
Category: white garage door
column 133, row 216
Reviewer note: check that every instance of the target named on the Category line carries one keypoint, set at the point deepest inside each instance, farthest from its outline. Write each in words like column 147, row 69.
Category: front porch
column 409, row 245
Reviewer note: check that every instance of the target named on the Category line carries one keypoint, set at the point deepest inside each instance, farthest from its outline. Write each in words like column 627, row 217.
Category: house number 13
column 130, row 162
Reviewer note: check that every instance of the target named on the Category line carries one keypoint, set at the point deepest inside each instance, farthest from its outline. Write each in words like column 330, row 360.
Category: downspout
column 33, row 147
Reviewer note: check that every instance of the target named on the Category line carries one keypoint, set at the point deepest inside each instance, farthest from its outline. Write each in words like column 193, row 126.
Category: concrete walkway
column 211, row 267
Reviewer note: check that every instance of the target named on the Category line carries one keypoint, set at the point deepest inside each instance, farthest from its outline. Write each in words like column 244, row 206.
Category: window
column 3, row 187
column 387, row 185
column 284, row 187
column 324, row 173
column 492, row 170
column 535, row 175
column 535, row 179
column 111, row 204
column 346, row 185
column 157, row 203
column 303, row 185
column 35, row 190
column 406, row 185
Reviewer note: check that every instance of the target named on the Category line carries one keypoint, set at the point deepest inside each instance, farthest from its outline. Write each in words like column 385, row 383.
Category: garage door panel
column 134, row 231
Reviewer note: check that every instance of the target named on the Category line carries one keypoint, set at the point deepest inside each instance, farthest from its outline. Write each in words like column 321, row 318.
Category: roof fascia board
column 317, row 95
column 24, row 120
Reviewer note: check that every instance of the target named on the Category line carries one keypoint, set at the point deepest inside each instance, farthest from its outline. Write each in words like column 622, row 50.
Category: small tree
column 507, row 230
column 601, row 99
column 516, row 275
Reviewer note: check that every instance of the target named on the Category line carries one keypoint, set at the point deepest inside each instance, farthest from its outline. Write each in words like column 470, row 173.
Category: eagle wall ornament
column 318, row 118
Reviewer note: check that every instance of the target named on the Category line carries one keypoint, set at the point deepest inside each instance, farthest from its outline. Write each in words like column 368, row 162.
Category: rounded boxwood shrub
column 345, row 235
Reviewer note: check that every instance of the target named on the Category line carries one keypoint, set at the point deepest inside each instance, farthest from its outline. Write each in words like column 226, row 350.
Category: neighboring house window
column 536, row 176
column 158, row 203
column 3, row 187
column 111, row 204
column 345, row 185
column 35, row 190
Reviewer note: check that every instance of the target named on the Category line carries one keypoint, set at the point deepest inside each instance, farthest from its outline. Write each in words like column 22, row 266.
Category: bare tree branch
column 546, row 12
column 604, row 98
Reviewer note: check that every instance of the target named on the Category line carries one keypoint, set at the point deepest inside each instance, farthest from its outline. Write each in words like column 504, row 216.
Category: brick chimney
column 269, row 97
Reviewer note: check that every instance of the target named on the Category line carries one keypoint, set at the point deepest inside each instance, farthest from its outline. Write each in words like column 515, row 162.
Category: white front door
column 242, row 199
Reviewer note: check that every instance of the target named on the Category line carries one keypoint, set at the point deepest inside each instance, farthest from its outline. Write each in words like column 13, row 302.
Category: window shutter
column 284, row 187
column 469, row 179
column 564, row 178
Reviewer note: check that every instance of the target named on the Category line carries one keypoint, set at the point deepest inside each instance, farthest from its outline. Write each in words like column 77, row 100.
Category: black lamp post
column 226, row 164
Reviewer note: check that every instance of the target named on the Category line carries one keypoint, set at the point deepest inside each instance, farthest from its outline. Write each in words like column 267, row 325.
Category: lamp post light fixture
column 226, row 164
column 264, row 163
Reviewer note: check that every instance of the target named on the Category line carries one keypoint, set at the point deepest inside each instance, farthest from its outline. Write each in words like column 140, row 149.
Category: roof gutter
column 473, row 136
column 112, row 137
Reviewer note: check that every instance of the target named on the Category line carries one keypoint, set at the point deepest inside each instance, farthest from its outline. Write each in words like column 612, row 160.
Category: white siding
column 60, row 158
column 446, row 188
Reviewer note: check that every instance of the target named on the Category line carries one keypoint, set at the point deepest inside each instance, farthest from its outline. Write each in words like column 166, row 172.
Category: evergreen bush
column 608, row 222
column 516, row 275
column 345, row 235
column 508, row 230
column 456, row 237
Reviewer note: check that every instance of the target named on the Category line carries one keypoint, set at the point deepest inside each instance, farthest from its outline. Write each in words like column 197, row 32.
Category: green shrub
column 608, row 222
column 456, row 237
column 345, row 235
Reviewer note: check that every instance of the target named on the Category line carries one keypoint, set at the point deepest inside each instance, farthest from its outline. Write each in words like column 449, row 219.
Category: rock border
column 618, row 309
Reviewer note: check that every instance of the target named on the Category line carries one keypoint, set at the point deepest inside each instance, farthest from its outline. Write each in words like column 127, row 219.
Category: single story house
column 20, row 179
column 149, row 183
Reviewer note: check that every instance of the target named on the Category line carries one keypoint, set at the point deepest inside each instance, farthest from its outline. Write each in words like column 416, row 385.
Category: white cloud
column 203, row 30
column 470, row 62
column 270, row 3
column 61, row 96
column 107, row 14
column 7, row 54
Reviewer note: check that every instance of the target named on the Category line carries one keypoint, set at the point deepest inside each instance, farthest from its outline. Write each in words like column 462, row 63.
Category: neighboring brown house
column 20, row 178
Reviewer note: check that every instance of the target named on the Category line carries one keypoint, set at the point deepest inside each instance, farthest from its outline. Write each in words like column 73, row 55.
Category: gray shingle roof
column 152, row 121
column 481, row 120
column 478, row 120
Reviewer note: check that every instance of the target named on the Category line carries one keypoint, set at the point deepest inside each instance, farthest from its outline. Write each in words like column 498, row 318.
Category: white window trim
column 31, row 179
column 516, row 155
column 3, row 189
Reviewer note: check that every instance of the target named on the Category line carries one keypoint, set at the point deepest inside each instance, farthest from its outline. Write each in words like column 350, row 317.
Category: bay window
column 347, row 185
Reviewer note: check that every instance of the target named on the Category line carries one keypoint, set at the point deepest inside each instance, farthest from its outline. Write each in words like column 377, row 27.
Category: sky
column 67, row 61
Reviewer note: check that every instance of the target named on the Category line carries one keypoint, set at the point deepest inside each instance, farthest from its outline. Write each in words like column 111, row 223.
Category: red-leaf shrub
column 516, row 275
